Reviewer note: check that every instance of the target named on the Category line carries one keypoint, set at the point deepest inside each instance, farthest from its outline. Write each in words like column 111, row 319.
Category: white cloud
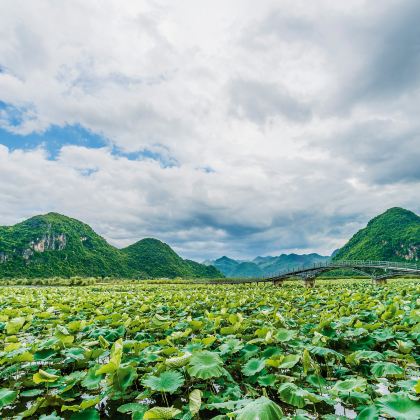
column 261, row 105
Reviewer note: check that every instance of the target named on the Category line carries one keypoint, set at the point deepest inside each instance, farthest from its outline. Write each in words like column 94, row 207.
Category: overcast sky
column 223, row 127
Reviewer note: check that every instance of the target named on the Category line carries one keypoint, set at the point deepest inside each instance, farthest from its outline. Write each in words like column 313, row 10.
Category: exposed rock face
column 27, row 253
column 411, row 253
column 50, row 242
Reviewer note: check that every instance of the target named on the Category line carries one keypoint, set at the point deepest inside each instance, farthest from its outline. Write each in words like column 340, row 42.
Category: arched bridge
column 378, row 271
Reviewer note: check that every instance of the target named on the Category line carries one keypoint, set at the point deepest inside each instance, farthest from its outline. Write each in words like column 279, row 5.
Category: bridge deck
column 377, row 270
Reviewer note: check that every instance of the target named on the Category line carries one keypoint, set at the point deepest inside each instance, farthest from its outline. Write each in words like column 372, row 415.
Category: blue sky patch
column 53, row 139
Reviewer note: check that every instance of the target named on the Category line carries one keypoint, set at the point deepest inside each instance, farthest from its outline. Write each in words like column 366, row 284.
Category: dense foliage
column 55, row 245
column 157, row 259
column 391, row 236
column 246, row 352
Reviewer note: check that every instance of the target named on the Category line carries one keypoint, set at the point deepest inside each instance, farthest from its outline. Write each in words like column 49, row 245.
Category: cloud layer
column 236, row 128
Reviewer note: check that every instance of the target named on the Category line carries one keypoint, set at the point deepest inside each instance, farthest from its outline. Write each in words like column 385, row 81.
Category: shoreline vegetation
column 90, row 281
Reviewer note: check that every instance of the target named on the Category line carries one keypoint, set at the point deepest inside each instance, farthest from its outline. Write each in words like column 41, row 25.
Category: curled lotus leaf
column 178, row 361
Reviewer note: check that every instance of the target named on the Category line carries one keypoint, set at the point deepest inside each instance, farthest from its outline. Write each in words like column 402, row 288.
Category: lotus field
column 177, row 351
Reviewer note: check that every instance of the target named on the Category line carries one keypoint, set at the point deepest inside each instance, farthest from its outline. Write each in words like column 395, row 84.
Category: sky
column 234, row 127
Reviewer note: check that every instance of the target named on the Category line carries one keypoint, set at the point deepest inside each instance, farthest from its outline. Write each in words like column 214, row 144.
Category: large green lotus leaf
column 32, row 392
column 194, row 402
column 361, row 355
column 90, row 414
column 44, row 354
column 292, row 394
column 229, row 330
column 63, row 335
column 169, row 381
column 108, row 333
column 408, row 385
column 307, row 362
column 289, row 361
column 260, row 409
column 271, row 352
column 115, row 358
column 179, row 361
column 69, row 381
column 253, row 366
column 267, row 380
column 283, row 335
column 304, row 415
column 250, row 350
column 52, row 416
column 103, row 342
column 32, row 408
column 161, row 413
column 92, row 380
column 44, row 376
column 348, row 385
column 49, row 343
column 325, row 352
column 7, row 396
column 405, row 347
column 193, row 347
column 85, row 404
column 399, row 406
column 205, row 365
column 132, row 408
column 383, row 369
column 123, row 378
column 14, row 325
column 355, row 397
column 383, row 335
column 228, row 405
column 208, row 341
column 74, row 354
column 231, row 346
column 22, row 356
column 368, row 413
column 316, row 380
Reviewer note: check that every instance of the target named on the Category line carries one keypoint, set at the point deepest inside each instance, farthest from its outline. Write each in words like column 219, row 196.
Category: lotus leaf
column 169, row 381
column 205, row 365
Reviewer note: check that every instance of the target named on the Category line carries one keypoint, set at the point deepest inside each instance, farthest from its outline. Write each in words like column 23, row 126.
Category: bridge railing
column 349, row 264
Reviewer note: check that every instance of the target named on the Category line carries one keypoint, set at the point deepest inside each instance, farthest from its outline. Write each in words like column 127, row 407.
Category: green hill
column 391, row 236
column 55, row 245
column 158, row 259
column 225, row 265
column 246, row 269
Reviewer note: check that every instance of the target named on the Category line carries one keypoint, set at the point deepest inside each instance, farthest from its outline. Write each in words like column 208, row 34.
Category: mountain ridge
column 391, row 236
column 264, row 266
column 52, row 245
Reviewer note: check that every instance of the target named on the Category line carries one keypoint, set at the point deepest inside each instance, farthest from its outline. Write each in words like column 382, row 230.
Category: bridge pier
column 278, row 282
column 309, row 282
column 380, row 282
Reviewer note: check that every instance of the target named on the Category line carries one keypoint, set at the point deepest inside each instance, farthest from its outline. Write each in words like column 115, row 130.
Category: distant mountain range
column 55, row 245
column 391, row 236
column 263, row 266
